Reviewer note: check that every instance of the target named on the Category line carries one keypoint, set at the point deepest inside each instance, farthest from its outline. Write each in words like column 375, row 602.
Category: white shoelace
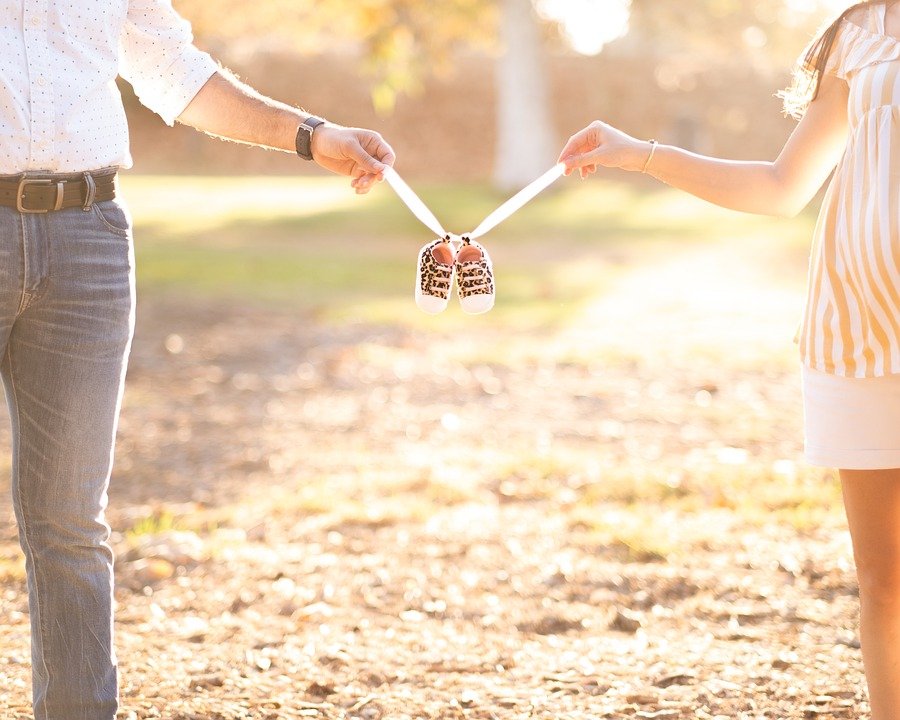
column 513, row 205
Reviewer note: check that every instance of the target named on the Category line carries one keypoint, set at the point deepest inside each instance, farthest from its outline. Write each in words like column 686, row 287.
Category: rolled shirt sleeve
column 159, row 59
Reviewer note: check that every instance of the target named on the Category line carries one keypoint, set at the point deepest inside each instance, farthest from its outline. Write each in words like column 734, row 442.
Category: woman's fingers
column 581, row 149
column 601, row 145
column 575, row 146
column 585, row 162
column 579, row 143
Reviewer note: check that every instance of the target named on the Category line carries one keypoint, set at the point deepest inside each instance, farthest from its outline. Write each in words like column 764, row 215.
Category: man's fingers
column 385, row 153
column 363, row 183
column 371, row 152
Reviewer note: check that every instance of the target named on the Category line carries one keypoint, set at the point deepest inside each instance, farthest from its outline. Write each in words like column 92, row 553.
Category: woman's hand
column 780, row 187
column 603, row 145
column 360, row 154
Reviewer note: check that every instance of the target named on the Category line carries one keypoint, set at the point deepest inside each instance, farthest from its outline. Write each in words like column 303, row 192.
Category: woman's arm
column 783, row 187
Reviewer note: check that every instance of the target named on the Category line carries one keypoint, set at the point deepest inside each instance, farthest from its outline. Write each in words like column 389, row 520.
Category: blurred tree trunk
column 525, row 139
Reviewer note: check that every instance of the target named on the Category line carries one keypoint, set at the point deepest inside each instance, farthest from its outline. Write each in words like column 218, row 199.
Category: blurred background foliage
column 398, row 42
column 460, row 87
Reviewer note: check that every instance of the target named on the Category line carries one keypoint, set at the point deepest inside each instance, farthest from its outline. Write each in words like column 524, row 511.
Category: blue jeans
column 66, row 321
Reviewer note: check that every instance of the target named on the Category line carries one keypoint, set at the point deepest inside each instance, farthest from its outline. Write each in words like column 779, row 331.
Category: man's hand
column 361, row 154
column 227, row 108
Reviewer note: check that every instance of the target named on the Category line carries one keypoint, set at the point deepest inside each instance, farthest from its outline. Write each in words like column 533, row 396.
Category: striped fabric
column 851, row 326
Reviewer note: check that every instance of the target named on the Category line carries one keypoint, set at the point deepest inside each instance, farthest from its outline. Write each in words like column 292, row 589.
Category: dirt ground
column 320, row 520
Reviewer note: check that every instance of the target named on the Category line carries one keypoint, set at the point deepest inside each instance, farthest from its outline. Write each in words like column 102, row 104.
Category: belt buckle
column 20, row 194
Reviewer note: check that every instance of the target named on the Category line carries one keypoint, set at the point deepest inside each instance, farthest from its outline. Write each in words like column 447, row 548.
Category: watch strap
column 303, row 141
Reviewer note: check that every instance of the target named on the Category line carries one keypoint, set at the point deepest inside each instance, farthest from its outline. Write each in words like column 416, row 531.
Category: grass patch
column 656, row 508
column 162, row 521
column 311, row 244
column 12, row 569
column 637, row 535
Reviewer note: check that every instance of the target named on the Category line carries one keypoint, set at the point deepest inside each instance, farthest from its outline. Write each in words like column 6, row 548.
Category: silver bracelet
column 653, row 144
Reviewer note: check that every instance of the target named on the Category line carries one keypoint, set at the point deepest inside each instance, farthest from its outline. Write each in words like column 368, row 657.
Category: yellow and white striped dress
column 851, row 326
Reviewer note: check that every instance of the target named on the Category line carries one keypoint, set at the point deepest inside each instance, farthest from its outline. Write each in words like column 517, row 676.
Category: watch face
column 304, row 142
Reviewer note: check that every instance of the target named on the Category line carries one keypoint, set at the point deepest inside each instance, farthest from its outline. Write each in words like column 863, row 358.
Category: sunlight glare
column 836, row 6
column 588, row 24
column 831, row 7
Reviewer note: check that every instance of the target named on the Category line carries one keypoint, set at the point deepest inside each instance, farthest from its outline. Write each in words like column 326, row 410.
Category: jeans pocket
column 114, row 217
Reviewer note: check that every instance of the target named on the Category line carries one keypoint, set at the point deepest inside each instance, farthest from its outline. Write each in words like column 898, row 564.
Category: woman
column 847, row 92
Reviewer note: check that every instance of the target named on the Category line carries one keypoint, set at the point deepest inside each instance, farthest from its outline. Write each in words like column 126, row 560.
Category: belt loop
column 90, row 192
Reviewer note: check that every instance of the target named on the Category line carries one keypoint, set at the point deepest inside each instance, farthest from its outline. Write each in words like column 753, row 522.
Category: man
column 66, row 287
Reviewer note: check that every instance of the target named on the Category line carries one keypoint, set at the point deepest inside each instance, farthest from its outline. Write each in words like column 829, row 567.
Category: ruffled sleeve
column 837, row 58
column 856, row 47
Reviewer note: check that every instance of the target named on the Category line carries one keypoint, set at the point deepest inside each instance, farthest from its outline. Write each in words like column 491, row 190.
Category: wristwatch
column 303, row 141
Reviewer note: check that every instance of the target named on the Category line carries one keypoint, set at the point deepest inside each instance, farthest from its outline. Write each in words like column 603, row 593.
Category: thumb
column 365, row 161
column 371, row 152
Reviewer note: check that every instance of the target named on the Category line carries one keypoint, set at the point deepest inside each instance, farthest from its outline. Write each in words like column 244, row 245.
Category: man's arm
column 227, row 108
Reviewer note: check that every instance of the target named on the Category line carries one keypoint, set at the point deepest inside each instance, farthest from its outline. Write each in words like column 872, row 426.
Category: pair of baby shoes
column 441, row 262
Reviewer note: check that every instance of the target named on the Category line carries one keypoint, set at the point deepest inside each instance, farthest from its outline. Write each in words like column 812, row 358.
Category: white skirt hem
column 851, row 423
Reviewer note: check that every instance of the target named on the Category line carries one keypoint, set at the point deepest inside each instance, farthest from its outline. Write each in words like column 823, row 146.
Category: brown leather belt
column 45, row 193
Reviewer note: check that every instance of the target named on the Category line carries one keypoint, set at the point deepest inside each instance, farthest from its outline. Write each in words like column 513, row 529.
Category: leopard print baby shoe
column 474, row 278
column 434, row 276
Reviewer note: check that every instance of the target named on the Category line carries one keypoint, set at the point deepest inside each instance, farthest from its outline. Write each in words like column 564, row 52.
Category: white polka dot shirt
column 60, row 109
